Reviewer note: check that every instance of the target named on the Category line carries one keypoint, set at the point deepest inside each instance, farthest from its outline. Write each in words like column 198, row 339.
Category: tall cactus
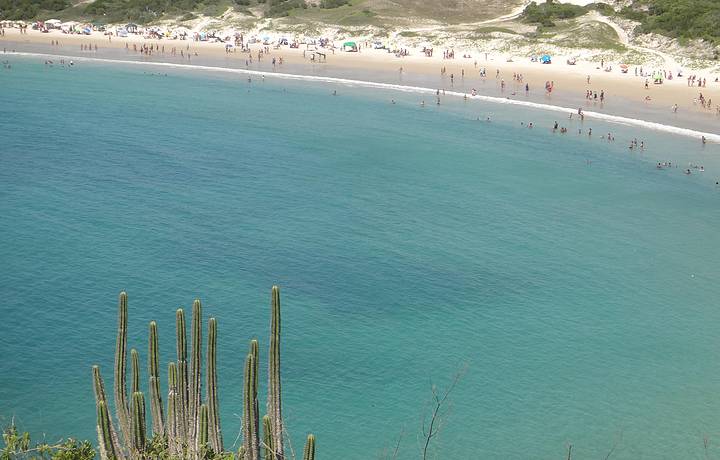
column 203, row 429
column 182, row 375
column 156, row 407
column 171, row 427
column 274, row 396
column 107, row 437
column 134, row 371
column 214, row 433
column 195, row 373
column 105, row 433
column 120, row 387
column 190, row 427
column 250, row 417
column 309, row 453
column 268, row 444
column 256, row 361
column 138, row 424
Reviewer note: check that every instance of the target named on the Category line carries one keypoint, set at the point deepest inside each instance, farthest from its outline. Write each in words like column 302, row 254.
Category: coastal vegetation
column 545, row 13
column 19, row 446
column 683, row 19
column 188, row 426
column 144, row 11
column 28, row 9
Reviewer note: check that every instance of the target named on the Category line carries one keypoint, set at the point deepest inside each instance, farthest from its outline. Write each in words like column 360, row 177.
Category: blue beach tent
column 546, row 59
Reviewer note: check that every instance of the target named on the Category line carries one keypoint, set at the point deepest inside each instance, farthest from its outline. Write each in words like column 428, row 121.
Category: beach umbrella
column 623, row 66
column 350, row 44
column 546, row 59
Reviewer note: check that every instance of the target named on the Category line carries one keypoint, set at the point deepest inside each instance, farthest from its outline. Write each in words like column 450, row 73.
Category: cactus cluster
column 189, row 426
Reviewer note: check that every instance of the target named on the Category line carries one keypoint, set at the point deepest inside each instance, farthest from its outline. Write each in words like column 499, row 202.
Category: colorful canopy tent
column 546, row 59
column 350, row 46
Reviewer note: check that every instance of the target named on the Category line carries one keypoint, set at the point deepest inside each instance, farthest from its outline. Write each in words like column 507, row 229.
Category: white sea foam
column 711, row 137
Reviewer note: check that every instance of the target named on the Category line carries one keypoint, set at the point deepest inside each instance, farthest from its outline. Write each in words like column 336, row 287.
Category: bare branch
column 614, row 446
column 439, row 402
column 397, row 444
column 289, row 441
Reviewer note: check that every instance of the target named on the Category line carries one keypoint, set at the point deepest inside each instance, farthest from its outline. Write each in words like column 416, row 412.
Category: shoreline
column 625, row 94
column 600, row 116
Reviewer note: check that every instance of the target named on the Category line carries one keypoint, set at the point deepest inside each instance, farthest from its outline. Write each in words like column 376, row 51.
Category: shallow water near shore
column 464, row 84
column 575, row 281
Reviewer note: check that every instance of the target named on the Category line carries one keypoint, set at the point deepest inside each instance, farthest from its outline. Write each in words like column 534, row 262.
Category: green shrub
column 333, row 3
column 281, row 8
column 18, row 446
column 544, row 13
column 28, row 9
column 687, row 19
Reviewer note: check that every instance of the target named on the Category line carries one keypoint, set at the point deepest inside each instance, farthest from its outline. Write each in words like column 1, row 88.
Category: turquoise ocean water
column 575, row 282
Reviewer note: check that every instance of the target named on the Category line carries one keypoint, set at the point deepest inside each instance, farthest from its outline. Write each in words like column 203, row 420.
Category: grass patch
column 592, row 35
column 492, row 29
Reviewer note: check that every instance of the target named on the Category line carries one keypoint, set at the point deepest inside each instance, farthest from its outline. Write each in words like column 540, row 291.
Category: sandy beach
column 623, row 94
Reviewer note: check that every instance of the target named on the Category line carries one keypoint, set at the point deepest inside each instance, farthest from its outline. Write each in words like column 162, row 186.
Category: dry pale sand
column 570, row 82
